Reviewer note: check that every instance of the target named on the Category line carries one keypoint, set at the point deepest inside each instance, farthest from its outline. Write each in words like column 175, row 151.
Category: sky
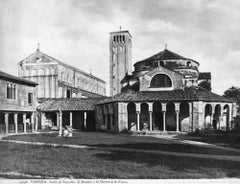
column 77, row 33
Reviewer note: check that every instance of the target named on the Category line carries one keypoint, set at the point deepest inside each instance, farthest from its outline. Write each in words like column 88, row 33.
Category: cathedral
column 165, row 92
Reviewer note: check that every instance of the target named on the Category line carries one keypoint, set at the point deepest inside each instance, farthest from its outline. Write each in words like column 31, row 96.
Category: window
column 161, row 81
column 189, row 64
column 11, row 91
column 30, row 98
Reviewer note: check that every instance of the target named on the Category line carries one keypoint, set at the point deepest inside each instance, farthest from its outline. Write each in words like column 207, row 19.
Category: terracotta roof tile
column 188, row 94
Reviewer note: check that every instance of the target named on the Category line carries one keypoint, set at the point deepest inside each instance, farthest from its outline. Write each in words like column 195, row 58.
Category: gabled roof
column 165, row 55
column 187, row 94
column 39, row 54
column 15, row 79
column 66, row 104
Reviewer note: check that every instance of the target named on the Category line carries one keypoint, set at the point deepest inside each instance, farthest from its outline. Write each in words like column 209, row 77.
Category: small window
column 11, row 91
column 161, row 63
column 30, row 98
column 189, row 64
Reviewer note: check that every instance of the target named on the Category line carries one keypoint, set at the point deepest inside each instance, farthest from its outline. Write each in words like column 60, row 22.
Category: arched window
column 161, row 81
column 189, row 64
column 161, row 63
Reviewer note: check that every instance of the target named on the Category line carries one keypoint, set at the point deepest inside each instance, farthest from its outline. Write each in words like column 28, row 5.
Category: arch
column 170, row 117
column 216, row 117
column 11, row 124
column 184, row 117
column 157, row 116
column 34, row 72
column 189, row 64
column 68, row 93
column 47, row 71
column 161, row 81
column 144, row 116
column 132, row 116
column 226, row 112
column 207, row 116
column 41, row 72
column 53, row 71
column 108, row 118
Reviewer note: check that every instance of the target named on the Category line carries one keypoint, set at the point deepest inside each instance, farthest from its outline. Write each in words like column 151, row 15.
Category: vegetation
column 113, row 156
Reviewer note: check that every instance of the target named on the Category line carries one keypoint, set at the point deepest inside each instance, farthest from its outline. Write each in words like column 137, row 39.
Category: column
column 150, row 107
column 150, row 120
column 24, row 123
column 138, row 115
column 164, row 108
column 6, row 115
column 164, row 121
column 190, row 117
column 138, row 120
column 32, row 121
column 71, row 119
column 53, row 87
column 16, row 122
column 177, row 121
column 60, row 124
column 36, row 124
column 57, row 114
column 85, row 120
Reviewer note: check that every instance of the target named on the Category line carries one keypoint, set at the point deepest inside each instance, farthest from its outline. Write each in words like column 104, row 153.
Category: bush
column 235, row 123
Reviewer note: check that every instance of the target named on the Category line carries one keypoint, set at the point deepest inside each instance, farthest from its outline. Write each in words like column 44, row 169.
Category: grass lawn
column 113, row 156
column 228, row 139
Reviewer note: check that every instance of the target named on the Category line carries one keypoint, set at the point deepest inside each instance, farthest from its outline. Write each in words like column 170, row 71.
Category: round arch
column 157, row 116
column 161, row 81
column 226, row 113
column 207, row 115
column 184, row 117
column 144, row 116
column 132, row 116
column 216, row 117
column 170, row 117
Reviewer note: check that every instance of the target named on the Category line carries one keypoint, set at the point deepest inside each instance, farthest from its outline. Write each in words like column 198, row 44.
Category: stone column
column 85, row 120
column 60, row 124
column 25, row 123
column 36, row 124
column 150, row 109
column 71, row 119
column 177, row 121
column 6, row 116
column 16, row 122
column 138, row 120
column 32, row 121
column 138, row 110
column 190, row 117
column 150, row 120
column 57, row 114
column 177, row 109
column 164, row 108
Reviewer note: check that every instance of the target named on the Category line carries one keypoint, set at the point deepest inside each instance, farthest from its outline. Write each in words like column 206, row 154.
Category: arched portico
column 144, row 116
column 157, row 116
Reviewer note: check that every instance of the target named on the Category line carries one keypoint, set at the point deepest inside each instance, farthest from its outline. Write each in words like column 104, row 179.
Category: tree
column 234, row 94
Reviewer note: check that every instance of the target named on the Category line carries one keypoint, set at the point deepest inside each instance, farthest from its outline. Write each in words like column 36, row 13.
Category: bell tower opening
column 120, row 60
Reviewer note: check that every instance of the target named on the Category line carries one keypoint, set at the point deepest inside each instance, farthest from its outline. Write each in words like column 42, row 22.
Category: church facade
column 57, row 79
column 163, row 94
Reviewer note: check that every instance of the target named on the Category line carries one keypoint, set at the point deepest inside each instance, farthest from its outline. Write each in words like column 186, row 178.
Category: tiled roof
column 204, row 75
column 19, row 80
column 188, row 94
column 65, row 104
column 165, row 55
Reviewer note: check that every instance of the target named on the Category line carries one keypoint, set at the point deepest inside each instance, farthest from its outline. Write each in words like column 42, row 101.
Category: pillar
column 6, row 115
column 150, row 120
column 190, row 117
column 138, row 115
column 164, row 121
column 36, row 124
column 150, row 109
column 164, row 108
column 24, row 123
column 16, row 122
column 32, row 121
column 177, row 121
column 85, row 120
column 60, row 124
column 57, row 114
column 138, row 120
column 71, row 119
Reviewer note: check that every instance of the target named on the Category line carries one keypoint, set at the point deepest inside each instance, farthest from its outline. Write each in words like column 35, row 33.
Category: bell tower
column 120, row 61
